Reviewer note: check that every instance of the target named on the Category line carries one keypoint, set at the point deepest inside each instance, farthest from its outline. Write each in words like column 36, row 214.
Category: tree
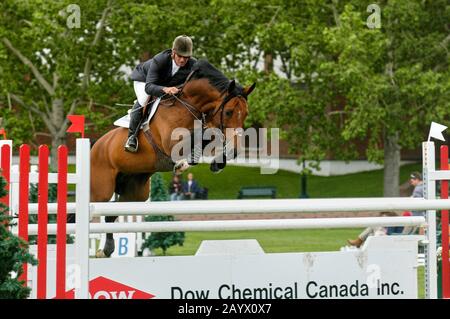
column 51, row 66
column 58, row 58
column 343, row 83
column 161, row 240
column 13, row 253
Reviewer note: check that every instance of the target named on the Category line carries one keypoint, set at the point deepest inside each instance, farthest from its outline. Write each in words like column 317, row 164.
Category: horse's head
column 221, row 103
column 229, row 116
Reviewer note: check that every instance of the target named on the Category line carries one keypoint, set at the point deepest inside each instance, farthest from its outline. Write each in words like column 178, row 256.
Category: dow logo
column 104, row 288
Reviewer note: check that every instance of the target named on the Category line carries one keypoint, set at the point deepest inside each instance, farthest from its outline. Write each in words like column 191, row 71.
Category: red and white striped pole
column 61, row 220
column 24, row 178
column 6, row 171
column 42, row 222
column 444, row 227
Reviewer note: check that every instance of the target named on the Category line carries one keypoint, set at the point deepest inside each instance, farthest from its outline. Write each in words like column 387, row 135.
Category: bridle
column 192, row 109
column 203, row 116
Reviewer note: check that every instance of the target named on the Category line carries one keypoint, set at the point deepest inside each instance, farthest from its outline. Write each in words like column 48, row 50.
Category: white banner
column 386, row 267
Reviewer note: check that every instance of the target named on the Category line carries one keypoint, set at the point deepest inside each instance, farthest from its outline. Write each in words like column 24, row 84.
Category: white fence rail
column 228, row 225
column 251, row 206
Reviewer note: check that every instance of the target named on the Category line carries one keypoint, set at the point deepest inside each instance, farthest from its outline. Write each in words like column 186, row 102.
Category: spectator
column 374, row 231
column 190, row 187
column 415, row 179
column 175, row 189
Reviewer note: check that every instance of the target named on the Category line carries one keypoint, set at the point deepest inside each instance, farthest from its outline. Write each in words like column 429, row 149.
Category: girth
column 164, row 162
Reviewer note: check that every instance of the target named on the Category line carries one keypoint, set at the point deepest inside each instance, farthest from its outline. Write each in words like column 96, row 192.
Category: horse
column 206, row 95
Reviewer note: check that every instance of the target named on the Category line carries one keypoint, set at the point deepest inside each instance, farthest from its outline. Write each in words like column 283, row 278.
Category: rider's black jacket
column 157, row 73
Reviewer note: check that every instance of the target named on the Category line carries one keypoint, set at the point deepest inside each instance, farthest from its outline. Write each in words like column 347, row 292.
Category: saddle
column 124, row 121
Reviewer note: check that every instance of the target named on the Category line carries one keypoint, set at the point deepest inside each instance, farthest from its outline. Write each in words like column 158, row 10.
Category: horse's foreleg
column 109, row 246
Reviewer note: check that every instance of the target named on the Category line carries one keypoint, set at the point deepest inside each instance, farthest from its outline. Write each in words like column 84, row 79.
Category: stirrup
column 129, row 148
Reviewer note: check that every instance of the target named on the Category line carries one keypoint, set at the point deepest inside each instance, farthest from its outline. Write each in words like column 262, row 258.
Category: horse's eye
column 229, row 113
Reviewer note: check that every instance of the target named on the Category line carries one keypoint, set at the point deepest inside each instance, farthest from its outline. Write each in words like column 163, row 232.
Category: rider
column 155, row 77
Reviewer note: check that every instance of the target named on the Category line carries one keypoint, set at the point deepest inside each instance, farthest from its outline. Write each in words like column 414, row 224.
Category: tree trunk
column 268, row 62
column 391, row 166
column 58, row 138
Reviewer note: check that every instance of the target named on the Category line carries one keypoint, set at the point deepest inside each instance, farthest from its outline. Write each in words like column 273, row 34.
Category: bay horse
column 206, row 95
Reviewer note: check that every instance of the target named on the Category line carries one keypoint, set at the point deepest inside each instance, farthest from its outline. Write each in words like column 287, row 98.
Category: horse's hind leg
column 136, row 189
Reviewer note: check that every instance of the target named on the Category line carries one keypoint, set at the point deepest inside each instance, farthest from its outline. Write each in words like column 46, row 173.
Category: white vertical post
column 429, row 192
column 139, row 239
column 92, row 245
column 82, row 217
column 14, row 199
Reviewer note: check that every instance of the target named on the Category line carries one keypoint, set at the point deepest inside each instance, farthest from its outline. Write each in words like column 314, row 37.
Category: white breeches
column 139, row 90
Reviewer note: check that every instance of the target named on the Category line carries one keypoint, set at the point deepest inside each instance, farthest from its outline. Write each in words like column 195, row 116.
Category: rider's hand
column 171, row 90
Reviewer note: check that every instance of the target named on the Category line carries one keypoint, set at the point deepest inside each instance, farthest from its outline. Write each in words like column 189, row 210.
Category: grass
column 273, row 241
column 226, row 184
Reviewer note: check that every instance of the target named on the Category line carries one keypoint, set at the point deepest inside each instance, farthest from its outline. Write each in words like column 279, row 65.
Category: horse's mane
column 203, row 69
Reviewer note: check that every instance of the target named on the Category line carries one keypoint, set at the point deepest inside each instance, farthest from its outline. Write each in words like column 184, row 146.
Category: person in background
column 175, row 189
column 415, row 179
column 374, row 231
column 190, row 187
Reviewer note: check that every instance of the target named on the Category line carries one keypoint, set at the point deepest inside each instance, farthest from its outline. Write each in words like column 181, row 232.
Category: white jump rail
column 229, row 225
column 252, row 206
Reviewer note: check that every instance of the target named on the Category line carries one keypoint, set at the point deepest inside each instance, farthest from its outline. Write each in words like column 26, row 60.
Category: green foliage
column 161, row 240
column 13, row 253
column 340, row 89
column 158, row 192
column 340, row 84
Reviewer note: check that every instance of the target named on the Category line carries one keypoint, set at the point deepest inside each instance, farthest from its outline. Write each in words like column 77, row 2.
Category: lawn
column 226, row 185
column 273, row 241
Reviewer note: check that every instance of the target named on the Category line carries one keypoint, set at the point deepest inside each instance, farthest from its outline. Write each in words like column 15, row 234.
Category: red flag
column 3, row 132
column 77, row 124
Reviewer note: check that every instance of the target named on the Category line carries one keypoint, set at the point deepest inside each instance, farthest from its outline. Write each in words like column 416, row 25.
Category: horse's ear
column 231, row 86
column 249, row 89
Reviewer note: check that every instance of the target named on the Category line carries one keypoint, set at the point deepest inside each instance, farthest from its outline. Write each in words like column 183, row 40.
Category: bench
column 257, row 191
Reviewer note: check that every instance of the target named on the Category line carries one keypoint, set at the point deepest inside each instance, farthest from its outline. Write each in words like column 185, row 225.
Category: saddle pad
column 124, row 121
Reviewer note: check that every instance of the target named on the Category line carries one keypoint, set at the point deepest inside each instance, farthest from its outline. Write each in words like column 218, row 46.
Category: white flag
column 436, row 130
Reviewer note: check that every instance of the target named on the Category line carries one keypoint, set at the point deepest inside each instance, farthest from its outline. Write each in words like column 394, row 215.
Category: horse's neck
column 169, row 118
column 197, row 93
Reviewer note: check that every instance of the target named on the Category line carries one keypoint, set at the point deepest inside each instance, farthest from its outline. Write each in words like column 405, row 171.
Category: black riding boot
column 135, row 119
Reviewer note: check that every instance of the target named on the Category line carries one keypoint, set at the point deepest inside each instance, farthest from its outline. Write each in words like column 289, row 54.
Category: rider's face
column 180, row 60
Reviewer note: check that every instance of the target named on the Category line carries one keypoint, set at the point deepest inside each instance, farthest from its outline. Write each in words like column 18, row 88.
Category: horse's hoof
column 180, row 166
column 100, row 254
column 109, row 247
column 216, row 167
